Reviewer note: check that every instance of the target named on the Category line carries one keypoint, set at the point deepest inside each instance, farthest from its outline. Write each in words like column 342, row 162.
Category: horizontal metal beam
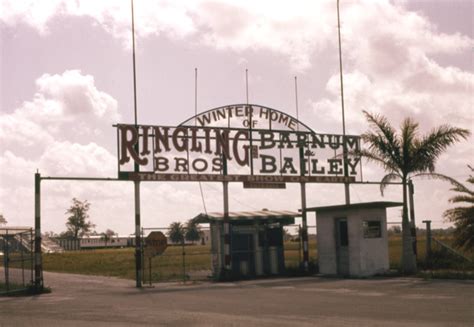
column 108, row 179
column 104, row 179
column 376, row 183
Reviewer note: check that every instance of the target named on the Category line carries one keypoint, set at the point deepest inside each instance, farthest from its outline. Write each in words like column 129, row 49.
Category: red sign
column 155, row 244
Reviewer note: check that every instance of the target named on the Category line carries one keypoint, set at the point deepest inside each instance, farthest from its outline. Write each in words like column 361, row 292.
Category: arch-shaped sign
column 239, row 143
column 252, row 116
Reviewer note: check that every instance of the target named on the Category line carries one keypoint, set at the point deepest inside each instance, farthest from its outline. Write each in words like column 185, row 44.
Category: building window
column 372, row 228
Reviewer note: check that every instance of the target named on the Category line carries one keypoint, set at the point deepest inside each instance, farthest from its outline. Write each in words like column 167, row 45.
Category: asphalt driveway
column 312, row 301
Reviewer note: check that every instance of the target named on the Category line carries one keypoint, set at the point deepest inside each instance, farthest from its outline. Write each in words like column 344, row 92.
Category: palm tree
column 463, row 217
column 3, row 221
column 176, row 232
column 192, row 231
column 405, row 155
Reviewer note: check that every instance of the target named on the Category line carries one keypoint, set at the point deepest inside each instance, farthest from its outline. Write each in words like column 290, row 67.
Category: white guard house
column 352, row 239
column 256, row 241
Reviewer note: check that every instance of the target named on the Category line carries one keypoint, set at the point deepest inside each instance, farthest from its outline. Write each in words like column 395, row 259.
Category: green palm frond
column 382, row 139
column 409, row 130
column 386, row 179
column 429, row 148
column 463, row 217
column 462, row 198
column 440, row 177
column 457, row 214
column 462, row 189
column 376, row 158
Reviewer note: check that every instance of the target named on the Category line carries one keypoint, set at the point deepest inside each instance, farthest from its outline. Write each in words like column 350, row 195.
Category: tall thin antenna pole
column 247, row 84
column 344, row 144
column 195, row 94
column 138, row 241
column 296, row 103
column 195, row 124
column 134, row 68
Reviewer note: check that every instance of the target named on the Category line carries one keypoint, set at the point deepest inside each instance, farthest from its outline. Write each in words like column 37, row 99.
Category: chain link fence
column 16, row 259
column 188, row 261
column 182, row 260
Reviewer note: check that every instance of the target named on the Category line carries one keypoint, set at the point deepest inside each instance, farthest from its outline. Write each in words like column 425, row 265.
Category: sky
column 66, row 78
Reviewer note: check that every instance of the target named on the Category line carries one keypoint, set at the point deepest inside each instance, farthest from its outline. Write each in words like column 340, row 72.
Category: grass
column 169, row 266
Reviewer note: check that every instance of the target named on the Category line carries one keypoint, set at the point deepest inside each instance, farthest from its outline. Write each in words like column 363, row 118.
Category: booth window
column 372, row 229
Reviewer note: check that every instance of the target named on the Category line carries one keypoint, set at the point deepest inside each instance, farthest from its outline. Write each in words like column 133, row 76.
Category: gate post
column 38, row 263
column 227, row 254
column 304, row 235
column 428, row 242
column 411, row 192
column 138, row 243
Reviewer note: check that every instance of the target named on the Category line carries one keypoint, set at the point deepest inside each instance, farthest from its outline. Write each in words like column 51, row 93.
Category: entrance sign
column 155, row 244
column 238, row 143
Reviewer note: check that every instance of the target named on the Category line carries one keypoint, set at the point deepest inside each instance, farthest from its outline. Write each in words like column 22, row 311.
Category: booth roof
column 246, row 216
column 363, row 205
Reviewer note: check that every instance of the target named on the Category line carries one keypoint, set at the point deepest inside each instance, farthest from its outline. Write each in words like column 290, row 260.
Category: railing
column 16, row 260
column 451, row 250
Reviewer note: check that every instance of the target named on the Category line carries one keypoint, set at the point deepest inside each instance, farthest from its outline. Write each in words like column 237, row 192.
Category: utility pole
column 38, row 259
column 344, row 143
column 138, row 243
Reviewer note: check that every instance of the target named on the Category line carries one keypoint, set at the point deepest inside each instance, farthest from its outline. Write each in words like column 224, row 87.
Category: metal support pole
column 300, row 240
column 303, row 210
column 344, row 143
column 138, row 241
column 305, row 228
column 226, row 225
column 227, row 255
column 411, row 192
column 6, row 261
column 428, row 242
column 184, row 260
column 38, row 263
column 149, row 270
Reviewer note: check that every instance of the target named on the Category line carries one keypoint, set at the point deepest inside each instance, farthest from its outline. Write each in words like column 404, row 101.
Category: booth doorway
column 342, row 247
column 243, row 261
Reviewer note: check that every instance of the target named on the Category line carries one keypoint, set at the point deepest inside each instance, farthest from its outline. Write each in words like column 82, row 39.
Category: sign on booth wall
column 237, row 143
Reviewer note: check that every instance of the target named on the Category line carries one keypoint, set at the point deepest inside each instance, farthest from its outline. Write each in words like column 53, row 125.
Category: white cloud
column 297, row 30
column 65, row 107
column 55, row 133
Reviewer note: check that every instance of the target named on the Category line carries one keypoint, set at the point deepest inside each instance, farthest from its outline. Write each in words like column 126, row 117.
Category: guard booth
column 256, row 241
column 352, row 239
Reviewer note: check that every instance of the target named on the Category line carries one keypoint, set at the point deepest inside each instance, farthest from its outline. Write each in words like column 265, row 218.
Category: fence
column 195, row 261
column 16, row 259
column 182, row 261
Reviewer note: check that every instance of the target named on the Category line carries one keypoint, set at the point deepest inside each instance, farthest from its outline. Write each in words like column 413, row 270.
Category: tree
column 77, row 220
column 463, row 217
column 176, row 232
column 50, row 234
column 193, row 231
column 405, row 155
column 3, row 221
column 395, row 230
column 107, row 236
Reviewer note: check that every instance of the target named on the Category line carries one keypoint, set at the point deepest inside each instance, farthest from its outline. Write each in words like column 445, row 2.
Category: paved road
column 78, row 300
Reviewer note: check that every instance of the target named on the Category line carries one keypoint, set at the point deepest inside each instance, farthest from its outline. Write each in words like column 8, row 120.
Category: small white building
column 352, row 239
